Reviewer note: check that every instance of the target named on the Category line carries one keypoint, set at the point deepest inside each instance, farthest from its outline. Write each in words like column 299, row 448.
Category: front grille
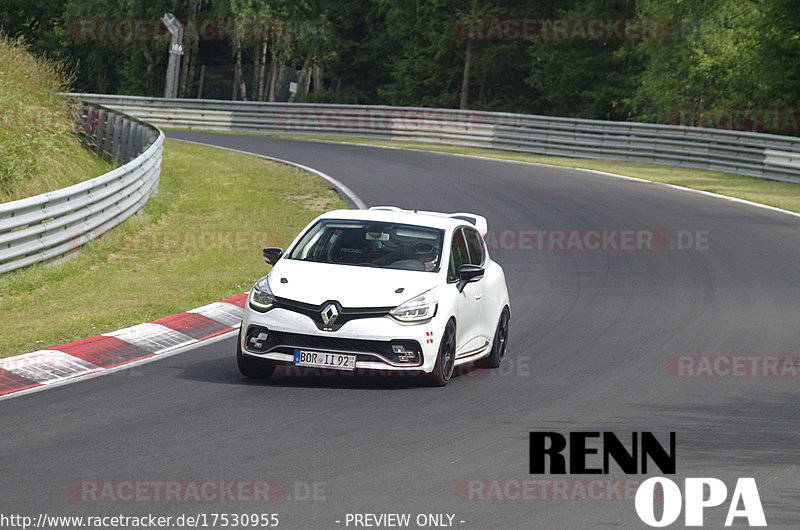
column 345, row 314
column 314, row 342
column 366, row 350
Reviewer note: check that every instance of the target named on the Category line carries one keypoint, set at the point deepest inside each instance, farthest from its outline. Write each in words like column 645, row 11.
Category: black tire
column 252, row 367
column 446, row 358
column 495, row 358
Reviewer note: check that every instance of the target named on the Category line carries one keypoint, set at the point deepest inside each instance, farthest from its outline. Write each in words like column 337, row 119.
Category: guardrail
column 51, row 224
column 759, row 155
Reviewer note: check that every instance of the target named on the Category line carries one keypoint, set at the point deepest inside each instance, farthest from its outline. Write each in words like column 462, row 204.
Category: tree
column 585, row 77
column 724, row 54
column 426, row 69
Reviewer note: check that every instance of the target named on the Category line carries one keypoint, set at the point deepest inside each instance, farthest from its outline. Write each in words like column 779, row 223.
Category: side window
column 475, row 246
column 459, row 255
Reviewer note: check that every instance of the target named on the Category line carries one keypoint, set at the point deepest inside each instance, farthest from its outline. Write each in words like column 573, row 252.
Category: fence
column 755, row 154
column 51, row 224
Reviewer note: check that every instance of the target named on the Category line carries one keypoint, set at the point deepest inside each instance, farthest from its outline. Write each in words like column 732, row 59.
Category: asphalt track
column 592, row 335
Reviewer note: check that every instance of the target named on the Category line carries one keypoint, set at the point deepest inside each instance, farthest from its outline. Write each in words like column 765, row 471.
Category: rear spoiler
column 478, row 221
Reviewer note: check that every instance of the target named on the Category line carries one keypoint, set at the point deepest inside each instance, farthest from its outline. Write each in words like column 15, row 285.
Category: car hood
column 350, row 285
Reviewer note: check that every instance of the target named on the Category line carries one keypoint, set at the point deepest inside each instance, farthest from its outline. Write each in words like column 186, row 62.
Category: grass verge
column 38, row 152
column 197, row 241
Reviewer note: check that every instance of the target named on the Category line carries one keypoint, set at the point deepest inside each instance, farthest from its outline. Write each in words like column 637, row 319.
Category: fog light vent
column 404, row 354
column 256, row 339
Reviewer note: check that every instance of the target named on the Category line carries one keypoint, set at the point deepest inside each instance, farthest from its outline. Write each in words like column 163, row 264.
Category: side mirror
column 468, row 274
column 272, row 254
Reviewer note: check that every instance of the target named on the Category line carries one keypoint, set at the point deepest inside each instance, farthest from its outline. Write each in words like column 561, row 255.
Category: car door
column 477, row 256
column 468, row 306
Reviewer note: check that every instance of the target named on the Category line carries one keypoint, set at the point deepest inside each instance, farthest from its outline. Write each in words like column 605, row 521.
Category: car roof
column 391, row 214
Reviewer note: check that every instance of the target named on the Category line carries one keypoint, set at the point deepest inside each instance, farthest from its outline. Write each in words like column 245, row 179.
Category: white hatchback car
column 380, row 290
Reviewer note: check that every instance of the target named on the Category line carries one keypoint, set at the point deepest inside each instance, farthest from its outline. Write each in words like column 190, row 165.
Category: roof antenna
column 416, row 206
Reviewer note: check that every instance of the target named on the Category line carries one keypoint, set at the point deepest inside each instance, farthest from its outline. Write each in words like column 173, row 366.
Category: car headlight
column 261, row 297
column 419, row 308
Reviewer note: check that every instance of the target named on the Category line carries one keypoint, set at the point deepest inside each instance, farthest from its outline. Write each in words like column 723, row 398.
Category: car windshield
column 371, row 244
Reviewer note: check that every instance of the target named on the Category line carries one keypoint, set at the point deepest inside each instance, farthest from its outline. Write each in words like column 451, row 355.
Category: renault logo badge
column 329, row 314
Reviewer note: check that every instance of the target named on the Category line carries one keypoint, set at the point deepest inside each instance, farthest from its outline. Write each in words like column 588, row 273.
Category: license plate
column 338, row 361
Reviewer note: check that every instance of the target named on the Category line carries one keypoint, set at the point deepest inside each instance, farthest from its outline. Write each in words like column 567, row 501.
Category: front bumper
column 276, row 334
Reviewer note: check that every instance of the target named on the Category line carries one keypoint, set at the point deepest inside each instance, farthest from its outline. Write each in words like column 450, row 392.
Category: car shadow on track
column 224, row 371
